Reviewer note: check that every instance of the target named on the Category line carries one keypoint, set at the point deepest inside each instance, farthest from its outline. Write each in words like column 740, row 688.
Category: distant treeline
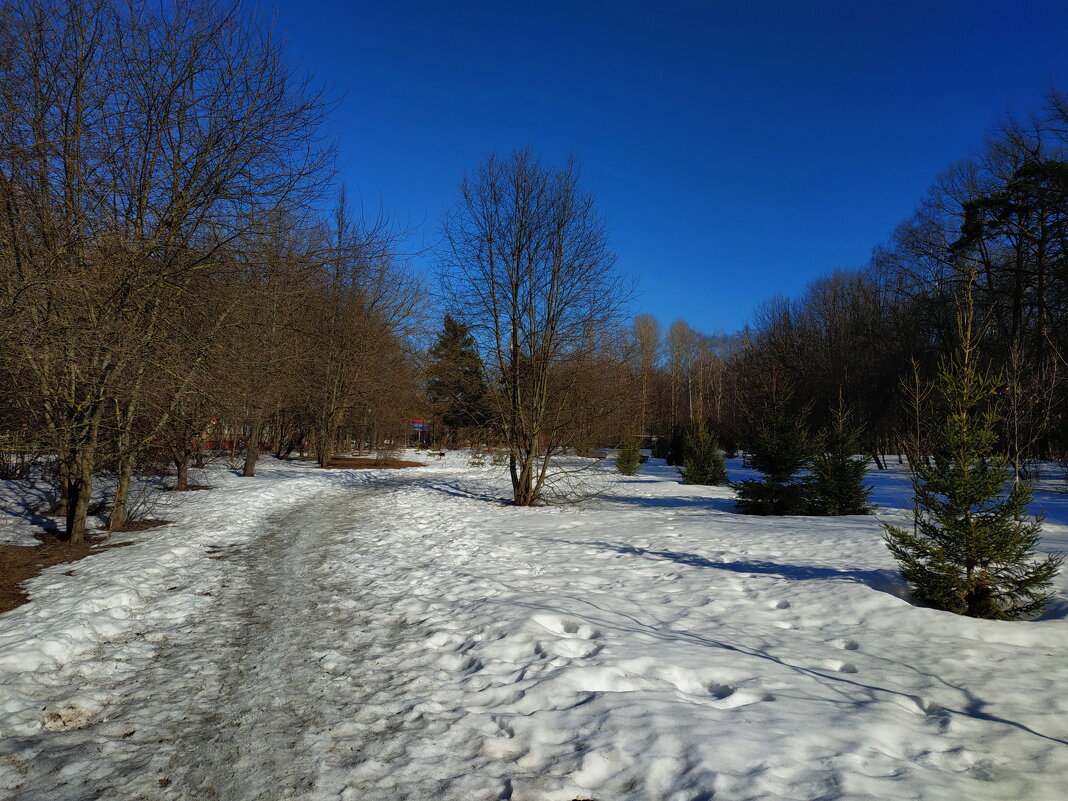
column 872, row 338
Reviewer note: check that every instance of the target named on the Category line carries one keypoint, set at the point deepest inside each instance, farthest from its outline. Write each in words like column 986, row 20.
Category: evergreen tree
column 672, row 449
column 662, row 448
column 703, row 463
column 455, row 383
column 838, row 487
column 629, row 457
column 779, row 446
column 971, row 548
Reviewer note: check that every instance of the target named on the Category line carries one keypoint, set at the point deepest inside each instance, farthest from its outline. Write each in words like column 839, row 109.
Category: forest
column 868, row 341
column 183, row 279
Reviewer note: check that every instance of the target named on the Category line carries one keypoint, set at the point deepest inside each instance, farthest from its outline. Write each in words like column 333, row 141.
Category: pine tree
column 455, row 383
column 779, row 446
column 629, row 457
column 838, row 487
column 971, row 549
column 703, row 463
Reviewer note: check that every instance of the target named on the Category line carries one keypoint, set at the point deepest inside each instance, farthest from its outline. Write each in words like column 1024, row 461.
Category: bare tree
column 1028, row 403
column 525, row 263
column 365, row 304
column 134, row 138
column 914, row 392
column 646, row 329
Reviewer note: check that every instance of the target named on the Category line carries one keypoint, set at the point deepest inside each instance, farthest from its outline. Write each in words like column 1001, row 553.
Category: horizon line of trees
column 871, row 339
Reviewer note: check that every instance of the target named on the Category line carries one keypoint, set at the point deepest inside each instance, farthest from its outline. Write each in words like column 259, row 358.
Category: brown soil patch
column 368, row 463
column 21, row 562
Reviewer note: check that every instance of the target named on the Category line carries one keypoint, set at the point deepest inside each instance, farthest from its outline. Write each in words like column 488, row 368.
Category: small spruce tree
column 629, row 457
column 838, row 486
column 779, row 446
column 703, row 463
column 971, row 547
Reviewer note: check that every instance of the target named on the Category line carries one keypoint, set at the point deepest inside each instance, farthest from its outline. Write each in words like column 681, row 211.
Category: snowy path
column 400, row 636
column 299, row 669
column 283, row 641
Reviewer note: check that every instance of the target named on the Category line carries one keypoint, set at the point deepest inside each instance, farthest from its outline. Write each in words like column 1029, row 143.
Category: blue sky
column 738, row 149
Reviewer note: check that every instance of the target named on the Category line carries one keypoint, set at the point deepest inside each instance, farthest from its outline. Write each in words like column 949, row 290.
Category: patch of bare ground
column 143, row 525
column 21, row 562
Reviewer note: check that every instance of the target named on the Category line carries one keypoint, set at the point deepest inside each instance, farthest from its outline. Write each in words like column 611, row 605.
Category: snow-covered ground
column 402, row 635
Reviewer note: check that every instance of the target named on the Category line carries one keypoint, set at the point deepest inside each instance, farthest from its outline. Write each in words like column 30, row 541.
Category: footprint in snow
column 726, row 696
column 566, row 627
column 846, row 645
column 840, row 667
column 720, row 691
column 447, row 641
column 459, row 663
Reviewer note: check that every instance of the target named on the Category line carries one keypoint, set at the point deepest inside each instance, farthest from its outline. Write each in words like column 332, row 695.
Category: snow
column 404, row 635
column 22, row 503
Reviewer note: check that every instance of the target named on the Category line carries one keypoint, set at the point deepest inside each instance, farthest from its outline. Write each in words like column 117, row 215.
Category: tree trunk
column 522, row 483
column 63, row 501
column 80, row 484
column 181, row 462
column 120, row 509
column 322, row 449
column 252, row 448
column 79, row 492
column 524, row 491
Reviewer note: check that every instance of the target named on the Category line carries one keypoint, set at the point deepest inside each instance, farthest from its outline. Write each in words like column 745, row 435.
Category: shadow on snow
column 888, row 581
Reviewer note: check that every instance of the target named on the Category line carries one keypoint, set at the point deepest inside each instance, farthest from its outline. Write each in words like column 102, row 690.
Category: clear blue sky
column 738, row 149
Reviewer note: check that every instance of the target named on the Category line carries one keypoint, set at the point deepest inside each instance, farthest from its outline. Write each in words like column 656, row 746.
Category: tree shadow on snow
column 1056, row 608
column 31, row 503
column 888, row 581
column 457, row 491
column 695, row 503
